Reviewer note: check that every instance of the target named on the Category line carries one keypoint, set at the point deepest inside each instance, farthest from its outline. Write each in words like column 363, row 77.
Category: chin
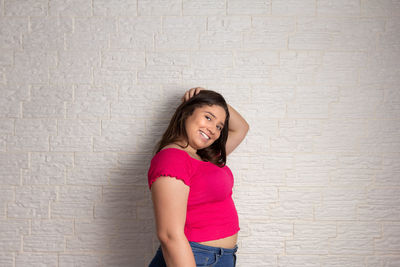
column 198, row 147
column 205, row 146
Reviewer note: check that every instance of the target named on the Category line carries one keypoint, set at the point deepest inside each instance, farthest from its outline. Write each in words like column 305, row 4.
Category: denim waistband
column 218, row 250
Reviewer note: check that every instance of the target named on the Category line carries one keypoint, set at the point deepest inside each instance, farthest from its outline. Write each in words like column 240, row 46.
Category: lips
column 205, row 136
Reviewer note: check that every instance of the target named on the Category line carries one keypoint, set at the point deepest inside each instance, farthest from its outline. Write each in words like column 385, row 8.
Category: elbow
column 167, row 237
column 245, row 128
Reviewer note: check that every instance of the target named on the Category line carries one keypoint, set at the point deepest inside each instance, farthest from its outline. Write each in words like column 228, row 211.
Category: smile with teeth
column 204, row 135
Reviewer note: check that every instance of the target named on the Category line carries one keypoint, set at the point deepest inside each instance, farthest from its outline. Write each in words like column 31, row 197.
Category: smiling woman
column 191, row 185
column 193, row 115
column 204, row 126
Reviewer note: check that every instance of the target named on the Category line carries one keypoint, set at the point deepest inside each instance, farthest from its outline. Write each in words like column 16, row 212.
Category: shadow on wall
column 127, row 202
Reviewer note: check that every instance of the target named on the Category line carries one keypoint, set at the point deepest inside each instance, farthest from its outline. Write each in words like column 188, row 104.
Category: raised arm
column 169, row 197
column 238, row 128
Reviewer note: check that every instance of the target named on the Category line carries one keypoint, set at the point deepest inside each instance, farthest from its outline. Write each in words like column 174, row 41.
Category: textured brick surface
column 200, row 7
column 88, row 87
column 114, row 8
column 25, row 8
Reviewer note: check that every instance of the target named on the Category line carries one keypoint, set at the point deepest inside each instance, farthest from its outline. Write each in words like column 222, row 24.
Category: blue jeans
column 205, row 256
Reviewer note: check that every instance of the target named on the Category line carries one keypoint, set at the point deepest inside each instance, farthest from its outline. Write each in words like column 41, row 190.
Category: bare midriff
column 226, row 242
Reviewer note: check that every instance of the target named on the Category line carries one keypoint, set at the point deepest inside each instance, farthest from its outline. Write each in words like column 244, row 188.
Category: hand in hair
column 191, row 92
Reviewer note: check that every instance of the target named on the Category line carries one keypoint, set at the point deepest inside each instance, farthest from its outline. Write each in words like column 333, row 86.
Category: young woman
column 196, row 219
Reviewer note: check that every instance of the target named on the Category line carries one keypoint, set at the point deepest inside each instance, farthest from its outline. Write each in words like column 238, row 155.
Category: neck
column 188, row 148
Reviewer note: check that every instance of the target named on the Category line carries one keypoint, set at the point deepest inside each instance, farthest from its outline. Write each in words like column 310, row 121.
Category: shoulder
column 171, row 156
column 171, row 162
column 174, row 150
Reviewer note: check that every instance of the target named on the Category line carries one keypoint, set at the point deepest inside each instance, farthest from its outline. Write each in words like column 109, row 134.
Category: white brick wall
column 87, row 88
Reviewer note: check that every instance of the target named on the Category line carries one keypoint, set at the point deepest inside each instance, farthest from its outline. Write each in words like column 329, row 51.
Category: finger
column 187, row 96
column 192, row 92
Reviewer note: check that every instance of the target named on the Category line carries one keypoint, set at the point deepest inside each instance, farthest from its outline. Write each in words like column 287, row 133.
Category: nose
column 212, row 129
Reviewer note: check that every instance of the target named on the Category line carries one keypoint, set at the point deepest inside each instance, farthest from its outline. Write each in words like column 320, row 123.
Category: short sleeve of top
column 170, row 162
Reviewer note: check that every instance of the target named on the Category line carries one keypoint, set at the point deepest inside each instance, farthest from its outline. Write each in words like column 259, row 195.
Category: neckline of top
column 185, row 153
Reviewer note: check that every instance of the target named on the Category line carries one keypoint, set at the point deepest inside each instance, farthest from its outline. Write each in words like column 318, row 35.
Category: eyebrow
column 215, row 118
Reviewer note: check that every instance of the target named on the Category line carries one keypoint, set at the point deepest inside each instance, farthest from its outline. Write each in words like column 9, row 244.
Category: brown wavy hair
column 215, row 153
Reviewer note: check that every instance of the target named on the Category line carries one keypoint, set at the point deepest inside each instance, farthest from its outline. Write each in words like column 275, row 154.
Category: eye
column 219, row 128
column 208, row 118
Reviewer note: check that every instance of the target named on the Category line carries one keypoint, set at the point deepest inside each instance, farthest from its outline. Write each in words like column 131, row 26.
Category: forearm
column 236, row 122
column 178, row 253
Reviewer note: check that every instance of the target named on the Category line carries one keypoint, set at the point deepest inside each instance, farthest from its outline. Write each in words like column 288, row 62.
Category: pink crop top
column 211, row 213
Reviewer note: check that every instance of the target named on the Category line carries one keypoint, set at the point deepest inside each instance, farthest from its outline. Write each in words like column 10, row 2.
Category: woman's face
column 204, row 126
